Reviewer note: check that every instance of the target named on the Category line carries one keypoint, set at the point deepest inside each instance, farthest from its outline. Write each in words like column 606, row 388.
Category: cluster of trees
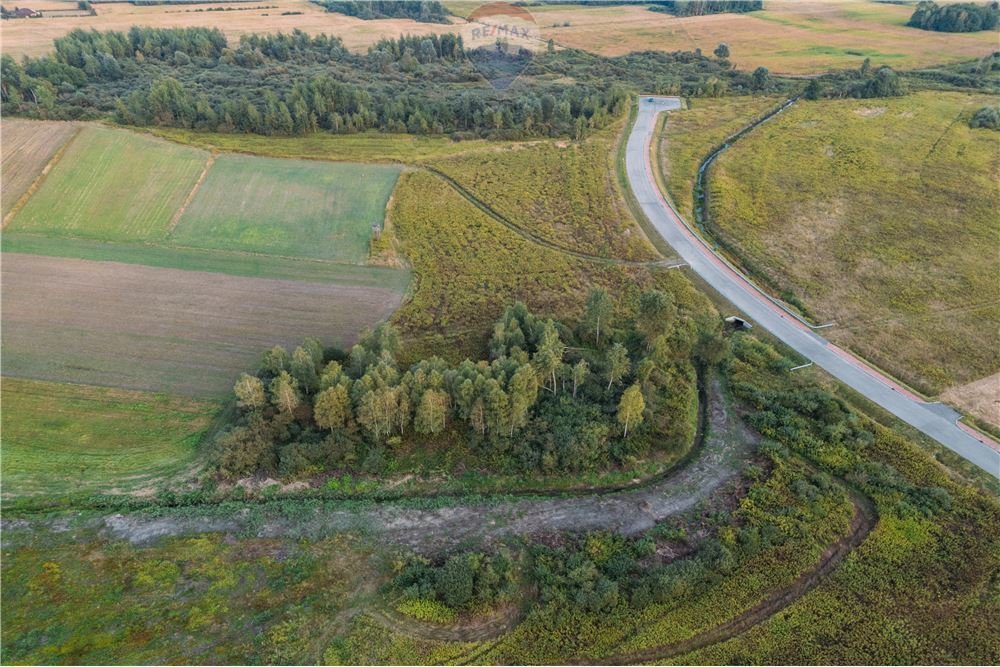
column 535, row 406
column 425, row 11
column 296, row 84
column 987, row 117
column 462, row 582
column 955, row 17
column 703, row 7
column 864, row 82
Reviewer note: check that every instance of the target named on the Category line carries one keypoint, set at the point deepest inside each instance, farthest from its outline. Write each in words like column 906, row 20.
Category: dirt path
column 862, row 524
column 726, row 450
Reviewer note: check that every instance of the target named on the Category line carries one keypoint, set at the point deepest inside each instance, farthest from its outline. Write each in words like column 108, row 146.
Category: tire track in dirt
column 37, row 183
column 191, row 195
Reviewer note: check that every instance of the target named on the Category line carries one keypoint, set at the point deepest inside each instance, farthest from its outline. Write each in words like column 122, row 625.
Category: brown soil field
column 154, row 329
column 790, row 36
column 26, row 146
column 980, row 399
column 34, row 37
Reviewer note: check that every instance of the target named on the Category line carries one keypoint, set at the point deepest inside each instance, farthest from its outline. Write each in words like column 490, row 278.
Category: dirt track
column 186, row 332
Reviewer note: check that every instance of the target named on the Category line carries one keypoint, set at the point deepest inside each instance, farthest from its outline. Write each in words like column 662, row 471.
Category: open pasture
column 789, row 36
column 154, row 329
column 113, row 185
column 34, row 37
column 288, row 207
column 65, row 438
column 879, row 215
column 26, row 147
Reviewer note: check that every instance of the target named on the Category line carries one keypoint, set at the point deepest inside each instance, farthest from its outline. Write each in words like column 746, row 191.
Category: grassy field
column 60, row 438
column 564, row 192
column 881, row 216
column 26, row 148
column 363, row 147
column 790, row 36
column 287, row 207
column 113, row 185
column 156, row 329
column 689, row 135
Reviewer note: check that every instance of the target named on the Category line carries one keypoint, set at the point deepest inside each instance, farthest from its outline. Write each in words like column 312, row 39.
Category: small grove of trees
column 955, row 17
column 534, row 406
column 987, row 117
column 462, row 582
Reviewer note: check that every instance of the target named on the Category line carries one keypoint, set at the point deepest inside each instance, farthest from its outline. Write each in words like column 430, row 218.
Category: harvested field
column 63, row 438
column 297, row 208
column 883, row 223
column 791, row 36
column 34, row 36
column 27, row 147
column 184, row 332
column 112, row 185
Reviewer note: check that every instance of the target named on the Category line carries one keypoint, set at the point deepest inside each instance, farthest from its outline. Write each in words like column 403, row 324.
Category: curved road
column 934, row 419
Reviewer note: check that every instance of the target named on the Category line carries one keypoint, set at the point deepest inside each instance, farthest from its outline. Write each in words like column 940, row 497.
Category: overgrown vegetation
column 955, row 17
column 465, row 582
column 988, row 117
column 550, row 399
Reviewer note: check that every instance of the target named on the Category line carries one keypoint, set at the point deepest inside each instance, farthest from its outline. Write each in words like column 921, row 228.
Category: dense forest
column 957, row 17
column 425, row 11
column 703, row 7
column 297, row 84
column 550, row 399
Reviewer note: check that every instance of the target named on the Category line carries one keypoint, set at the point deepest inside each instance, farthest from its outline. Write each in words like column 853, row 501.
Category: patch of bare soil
column 156, row 329
column 981, row 398
column 870, row 112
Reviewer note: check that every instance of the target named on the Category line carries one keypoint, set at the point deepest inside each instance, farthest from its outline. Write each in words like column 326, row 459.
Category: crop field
column 112, row 185
column 27, row 147
column 34, row 37
column 154, row 329
column 288, row 207
column 689, row 135
column 63, row 438
column 789, row 36
column 565, row 193
column 881, row 216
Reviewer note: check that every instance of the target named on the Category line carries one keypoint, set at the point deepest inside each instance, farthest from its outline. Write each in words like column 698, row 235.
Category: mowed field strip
column 63, row 438
column 28, row 146
column 113, row 185
column 301, row 208
column 154, row 329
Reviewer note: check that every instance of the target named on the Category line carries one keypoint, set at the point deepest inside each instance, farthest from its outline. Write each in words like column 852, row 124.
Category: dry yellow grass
column 34, row 37
column 980, row 399
column 794, row 37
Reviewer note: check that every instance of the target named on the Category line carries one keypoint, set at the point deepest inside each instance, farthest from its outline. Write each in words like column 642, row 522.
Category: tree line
column 703, row 7
column 297, row 84
column 955, row 17
column 549, row 399
column 425, row 11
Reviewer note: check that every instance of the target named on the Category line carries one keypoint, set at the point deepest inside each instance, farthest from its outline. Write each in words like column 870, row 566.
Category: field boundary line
column 37, row 183
column 190, row 196
column 667, row 262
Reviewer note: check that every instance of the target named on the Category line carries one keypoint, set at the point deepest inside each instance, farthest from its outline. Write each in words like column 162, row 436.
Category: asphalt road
column 935, row 419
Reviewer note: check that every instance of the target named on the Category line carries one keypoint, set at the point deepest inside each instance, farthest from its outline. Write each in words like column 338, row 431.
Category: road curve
column 934, row 419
